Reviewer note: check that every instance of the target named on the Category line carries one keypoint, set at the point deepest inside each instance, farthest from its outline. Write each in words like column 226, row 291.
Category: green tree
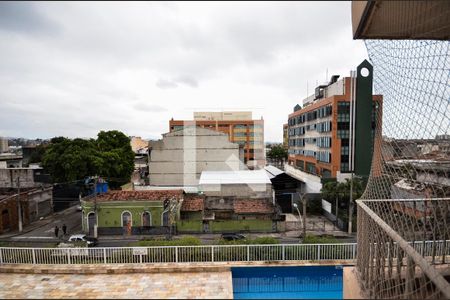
column 277, row 152
column 341, row 190
column 117, row 155
column 110, row 156
column 38, row 153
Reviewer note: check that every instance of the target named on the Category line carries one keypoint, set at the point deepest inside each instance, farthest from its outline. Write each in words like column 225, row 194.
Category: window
column 300, row 164
column 326, row 173
column 344, row 150
column 146, row 219
column 311, row 168
column 126, row 218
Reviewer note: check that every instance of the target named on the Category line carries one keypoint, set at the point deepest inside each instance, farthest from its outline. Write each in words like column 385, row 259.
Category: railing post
column 248, row 252
column 1, row 255
column 104, row 256
column 354, row 251
column 176, row 253
column 318, row 252
column 282, row 252
column 68, row 256
column 212, row 253
column 34, row 256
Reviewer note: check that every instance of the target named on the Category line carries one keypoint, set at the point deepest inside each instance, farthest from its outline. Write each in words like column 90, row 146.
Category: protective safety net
column 412, row 152
column 403, row 247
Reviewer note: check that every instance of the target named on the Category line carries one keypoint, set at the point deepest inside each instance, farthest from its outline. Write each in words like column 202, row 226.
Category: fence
column 207, row 253
column 390, row 267
column 179, row 254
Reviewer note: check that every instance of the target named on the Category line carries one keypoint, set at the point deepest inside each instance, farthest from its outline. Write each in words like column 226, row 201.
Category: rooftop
column 273, row 171
column 192, row 203
column 234, row 177
column 159, row 195
column 252, row 206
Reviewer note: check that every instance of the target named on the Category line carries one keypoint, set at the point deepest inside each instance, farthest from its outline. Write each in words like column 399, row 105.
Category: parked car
column 232, row 236
column 90, row 241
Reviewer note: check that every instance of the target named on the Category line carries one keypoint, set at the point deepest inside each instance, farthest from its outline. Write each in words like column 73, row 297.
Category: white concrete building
column 3, row 145
column 240, row 184
column 181, row 156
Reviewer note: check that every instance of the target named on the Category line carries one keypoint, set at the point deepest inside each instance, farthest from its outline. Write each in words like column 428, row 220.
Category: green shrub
column 248, row 241
column 312, row 239
column 264, row 240
column 184, row 241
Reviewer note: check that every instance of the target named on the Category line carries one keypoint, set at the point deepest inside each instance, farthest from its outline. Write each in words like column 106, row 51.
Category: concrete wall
column 429, row 177
column 241, row 225
column 40, row 203
column 218, row 203
column 8, row 177
column 3, row 145
column 190, row 226
column 180, row 157
column 9, row 214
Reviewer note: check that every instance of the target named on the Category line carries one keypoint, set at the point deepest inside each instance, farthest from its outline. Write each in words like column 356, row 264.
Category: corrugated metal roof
column 273, row 171
column 234, row 177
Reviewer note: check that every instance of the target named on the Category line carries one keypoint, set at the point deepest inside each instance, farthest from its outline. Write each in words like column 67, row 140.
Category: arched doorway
column 146, row 219
column 127, row 222
column 92, row 220
column 6, row 225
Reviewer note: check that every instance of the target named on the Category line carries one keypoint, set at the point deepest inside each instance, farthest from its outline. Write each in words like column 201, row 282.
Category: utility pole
column 95, row 206
column 19, row 207
column 337, row 208
column 304, row 215
column 350, row 207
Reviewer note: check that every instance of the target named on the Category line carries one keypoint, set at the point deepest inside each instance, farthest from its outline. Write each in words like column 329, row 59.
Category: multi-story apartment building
column 240, row 128
column 285, row 136
column 320, row 133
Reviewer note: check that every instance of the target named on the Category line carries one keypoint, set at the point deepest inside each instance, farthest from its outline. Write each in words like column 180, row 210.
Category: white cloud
column 73, row 69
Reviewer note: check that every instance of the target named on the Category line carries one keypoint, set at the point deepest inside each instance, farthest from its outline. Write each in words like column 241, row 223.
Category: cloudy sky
column 73, row 69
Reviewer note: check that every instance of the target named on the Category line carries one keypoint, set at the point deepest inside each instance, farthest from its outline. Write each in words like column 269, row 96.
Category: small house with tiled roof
column 131, row 212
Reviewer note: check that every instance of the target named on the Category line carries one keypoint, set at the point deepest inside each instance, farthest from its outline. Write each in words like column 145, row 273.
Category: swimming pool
column 315, row 282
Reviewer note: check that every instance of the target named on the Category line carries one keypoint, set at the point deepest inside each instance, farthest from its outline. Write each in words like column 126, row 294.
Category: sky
column 73, row 69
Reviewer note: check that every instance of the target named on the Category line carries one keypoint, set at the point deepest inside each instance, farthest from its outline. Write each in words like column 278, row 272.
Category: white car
column 90, row 241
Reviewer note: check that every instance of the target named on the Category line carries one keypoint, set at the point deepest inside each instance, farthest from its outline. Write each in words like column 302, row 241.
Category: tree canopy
column 109, row 155
column 277, row 152
column 341, row 190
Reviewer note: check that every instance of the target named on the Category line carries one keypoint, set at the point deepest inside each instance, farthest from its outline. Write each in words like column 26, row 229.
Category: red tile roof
column 251, row 206
column 192, row 203
column 158, row 195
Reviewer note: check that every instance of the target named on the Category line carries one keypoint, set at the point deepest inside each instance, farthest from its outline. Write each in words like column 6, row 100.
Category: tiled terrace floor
column 192, row 285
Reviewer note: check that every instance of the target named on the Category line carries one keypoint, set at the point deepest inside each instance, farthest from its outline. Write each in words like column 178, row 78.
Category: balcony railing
column 180, row 254
column 403, row 248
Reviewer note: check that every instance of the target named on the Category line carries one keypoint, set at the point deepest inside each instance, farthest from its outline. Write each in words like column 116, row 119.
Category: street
column 41, row 233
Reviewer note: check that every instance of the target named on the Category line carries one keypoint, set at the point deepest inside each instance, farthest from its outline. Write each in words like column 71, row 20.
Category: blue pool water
column 287, row 282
